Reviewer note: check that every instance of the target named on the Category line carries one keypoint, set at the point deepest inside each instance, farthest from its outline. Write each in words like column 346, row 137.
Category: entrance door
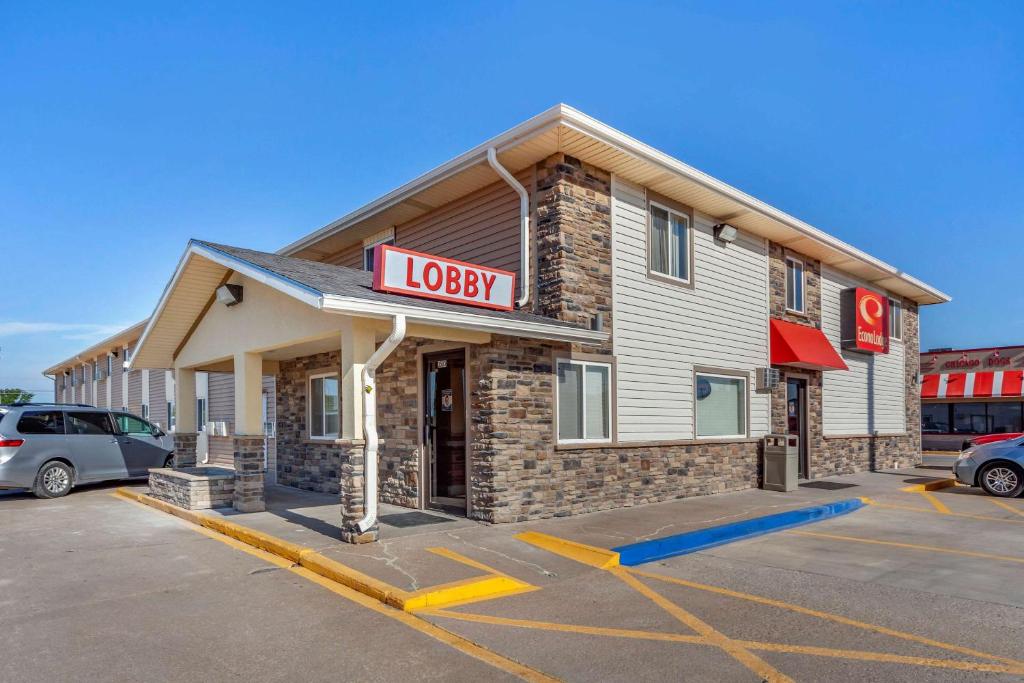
column 796, row 417
column 444, row 392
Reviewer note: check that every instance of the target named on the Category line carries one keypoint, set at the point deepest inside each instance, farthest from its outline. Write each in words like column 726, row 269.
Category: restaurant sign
column 401, row 271
column 865, row 320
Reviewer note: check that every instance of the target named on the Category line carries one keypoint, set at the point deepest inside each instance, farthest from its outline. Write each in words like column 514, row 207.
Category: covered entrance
column 445, row 438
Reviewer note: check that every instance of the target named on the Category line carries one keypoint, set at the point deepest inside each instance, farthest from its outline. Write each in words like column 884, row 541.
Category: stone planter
column 193, row 488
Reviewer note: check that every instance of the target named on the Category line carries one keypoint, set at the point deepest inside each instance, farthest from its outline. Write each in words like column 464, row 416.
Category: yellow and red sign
column 401, row 271
column 865, row 321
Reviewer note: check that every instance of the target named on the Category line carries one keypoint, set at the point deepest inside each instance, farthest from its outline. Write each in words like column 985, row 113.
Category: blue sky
column 124, row 131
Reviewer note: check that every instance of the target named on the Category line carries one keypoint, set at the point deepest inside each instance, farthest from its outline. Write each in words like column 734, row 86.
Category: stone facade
column 185, row 449
column 353, row 494
column 193, row 488
column 249, row 478
column 574, row 243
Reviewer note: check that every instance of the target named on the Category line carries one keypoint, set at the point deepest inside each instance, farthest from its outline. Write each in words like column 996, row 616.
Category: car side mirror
column 158, row 433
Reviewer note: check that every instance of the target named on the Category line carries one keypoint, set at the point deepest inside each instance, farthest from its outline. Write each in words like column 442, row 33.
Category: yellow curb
column 494, row 584
column 930, row 485
column 586, row 554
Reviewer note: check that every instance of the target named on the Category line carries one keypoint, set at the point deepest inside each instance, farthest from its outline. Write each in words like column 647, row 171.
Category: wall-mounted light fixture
column 725, row 233
column 229, row 295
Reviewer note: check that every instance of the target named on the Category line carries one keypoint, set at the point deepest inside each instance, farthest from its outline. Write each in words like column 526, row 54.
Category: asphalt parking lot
column 916, row 585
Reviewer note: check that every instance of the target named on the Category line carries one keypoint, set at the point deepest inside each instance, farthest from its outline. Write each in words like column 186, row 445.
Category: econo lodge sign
column 400, row 271
column 865, row 320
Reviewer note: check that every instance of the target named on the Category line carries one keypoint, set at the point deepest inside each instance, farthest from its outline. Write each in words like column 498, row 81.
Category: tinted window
column 41, row 422
column 970, row 418
column 89, row 423
column 935, row 418
column 1005, row 418
column 129, row 424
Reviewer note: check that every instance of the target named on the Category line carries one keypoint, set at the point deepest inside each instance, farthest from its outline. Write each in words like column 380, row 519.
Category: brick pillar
column 185, row 449
column 249, row 484
column 353, row 499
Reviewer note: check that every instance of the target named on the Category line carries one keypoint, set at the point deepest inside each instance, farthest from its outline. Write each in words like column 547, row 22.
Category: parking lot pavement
column 96, row 588
column 918, row 584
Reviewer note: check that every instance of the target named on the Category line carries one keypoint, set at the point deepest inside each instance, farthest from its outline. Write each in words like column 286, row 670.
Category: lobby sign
column 401, row 271
column 865, row 320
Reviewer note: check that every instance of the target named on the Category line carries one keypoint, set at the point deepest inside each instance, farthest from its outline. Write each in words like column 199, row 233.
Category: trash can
column 781, row 460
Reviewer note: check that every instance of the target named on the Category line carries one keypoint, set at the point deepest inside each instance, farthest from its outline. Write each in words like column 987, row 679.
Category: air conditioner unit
column 767, row 379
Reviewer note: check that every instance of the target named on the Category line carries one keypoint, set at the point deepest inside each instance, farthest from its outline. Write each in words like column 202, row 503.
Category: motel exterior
column 644, row 326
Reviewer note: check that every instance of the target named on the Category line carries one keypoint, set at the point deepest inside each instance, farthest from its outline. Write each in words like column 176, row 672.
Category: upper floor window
column 324, row 407
column 584, row 401
column 127, row 354
column 795, row 284
column 669, row 252
column 368, row 253
column 895, row 320
column 110, row 365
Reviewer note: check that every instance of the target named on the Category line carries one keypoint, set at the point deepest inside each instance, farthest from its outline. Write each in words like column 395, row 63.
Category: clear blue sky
column 124, row 131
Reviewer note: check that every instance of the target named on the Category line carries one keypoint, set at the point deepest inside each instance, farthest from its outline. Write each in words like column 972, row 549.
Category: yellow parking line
column 881, row 657
column 601, row 558
column 936, row 503
column 1006, row 506
column 912, row 546
column 762, row 668
column 836, row 618
column 910, row 508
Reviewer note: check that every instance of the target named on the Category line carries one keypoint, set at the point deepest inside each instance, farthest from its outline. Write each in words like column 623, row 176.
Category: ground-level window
column 670, row 243
column 170, row 416
column 324, row 407
column 368, row 253
column 721, row 402
column 201, row 414
column 584, row 401
column 975, row 417
column 795, row 285
column 145, row 411
column 895, row 320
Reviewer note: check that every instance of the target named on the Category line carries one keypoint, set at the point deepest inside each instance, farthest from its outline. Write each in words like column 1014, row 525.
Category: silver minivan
column 50, row 448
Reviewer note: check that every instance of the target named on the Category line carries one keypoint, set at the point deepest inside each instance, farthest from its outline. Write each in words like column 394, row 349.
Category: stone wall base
column 193, row 488
column 185, row 449
column 846, row 455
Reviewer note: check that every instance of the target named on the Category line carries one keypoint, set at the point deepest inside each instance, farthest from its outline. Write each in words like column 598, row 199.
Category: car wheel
column 54, row 480
column 169, row 462
column 1002, row 479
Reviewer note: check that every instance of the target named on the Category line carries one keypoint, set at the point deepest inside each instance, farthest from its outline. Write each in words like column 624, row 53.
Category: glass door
column 445, row 422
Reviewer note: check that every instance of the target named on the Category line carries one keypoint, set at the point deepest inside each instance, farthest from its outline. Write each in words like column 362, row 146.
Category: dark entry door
column 796, row 417
column 445, row 422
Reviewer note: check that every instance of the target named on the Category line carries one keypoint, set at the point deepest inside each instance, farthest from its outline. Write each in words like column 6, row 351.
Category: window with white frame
column 583, row 394
column 721, row 405
column 324, row 407
column 201, row 414
column 795, row 284
column 669, row 251
column 127, row 354
column 110, row 365
column 171, row 421
column 895, row 320
column 368, row 253
column 145, row 411
column 97, row 371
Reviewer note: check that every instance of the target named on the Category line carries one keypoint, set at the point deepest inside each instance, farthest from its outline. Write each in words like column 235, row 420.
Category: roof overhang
column 203, row 268
column 564, row 129
column 113, row 342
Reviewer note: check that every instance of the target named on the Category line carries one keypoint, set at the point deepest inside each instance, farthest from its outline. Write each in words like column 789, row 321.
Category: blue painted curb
column 692, row 541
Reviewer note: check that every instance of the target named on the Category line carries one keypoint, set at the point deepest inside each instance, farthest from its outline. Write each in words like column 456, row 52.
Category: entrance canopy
column 802, row 347
column 991, row 384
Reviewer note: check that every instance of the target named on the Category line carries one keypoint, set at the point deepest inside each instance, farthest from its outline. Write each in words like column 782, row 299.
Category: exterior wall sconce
column 725, row 233
column 229, row 295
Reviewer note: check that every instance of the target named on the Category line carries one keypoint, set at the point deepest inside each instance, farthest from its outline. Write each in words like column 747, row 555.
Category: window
column 129, row 424
column 970, row 418
column 97, row 371
column 85, row 424
column 73, row 372
column 795, row 282
column 127, row 354
column 935, row 418
column 201, row 414
column 1004, row 418
column 110, row 366
column 895, row 320
column 584, row 401
column 41, row 422
column 721, row 405
column 324, row 404
column 670, row 243
column 145, row 411
column 170, row 416
column 368, row 253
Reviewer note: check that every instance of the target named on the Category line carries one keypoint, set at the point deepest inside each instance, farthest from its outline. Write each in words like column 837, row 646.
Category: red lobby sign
column 865, row 320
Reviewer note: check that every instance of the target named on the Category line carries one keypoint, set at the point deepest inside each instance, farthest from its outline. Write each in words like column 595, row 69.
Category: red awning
column 802, row 347
column 984, row 384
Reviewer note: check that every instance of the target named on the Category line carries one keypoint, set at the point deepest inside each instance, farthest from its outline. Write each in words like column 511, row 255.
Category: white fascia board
column 462, row 321
column 299, row 291
column 96, row 348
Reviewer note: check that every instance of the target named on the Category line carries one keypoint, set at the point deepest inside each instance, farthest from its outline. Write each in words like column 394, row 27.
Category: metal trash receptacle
column 781, row 455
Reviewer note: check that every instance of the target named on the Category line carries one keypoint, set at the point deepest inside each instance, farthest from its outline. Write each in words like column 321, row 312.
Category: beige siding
column 872, row 394
column 222, row 451
column 351, row 257
column 221, row 404
column 158, row 397
column 134, row 402
column 661, row 331
column 116, row 390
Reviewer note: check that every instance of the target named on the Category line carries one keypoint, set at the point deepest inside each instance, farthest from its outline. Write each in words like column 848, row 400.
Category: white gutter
column 370, row 421
column 524, row 222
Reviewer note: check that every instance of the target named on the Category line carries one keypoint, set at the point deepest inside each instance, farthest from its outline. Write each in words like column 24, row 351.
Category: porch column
column 185, row 425
column 248, row 437
column 357, row 345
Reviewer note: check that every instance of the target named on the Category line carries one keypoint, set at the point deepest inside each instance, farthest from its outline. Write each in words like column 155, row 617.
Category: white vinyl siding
column 661, row 331
column 871, row 395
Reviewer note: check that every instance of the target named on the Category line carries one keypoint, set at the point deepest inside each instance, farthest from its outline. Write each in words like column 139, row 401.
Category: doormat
column 407, row 519
column 827, row 485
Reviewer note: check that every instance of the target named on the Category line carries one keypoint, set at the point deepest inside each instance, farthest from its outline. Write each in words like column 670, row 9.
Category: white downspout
column 524, row 220
column 370, row 421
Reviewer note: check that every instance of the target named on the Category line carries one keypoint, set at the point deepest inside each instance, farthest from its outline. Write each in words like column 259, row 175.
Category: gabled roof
column 330, row 288
column 116, row 341
column 567, row 130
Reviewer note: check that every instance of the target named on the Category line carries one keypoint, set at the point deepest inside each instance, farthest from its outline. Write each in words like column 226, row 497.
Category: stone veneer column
column 353, row 497
column 185, row 449
column 249, row 474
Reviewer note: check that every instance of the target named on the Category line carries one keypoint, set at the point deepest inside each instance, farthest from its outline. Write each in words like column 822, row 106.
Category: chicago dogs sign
column 865, row 320
column 401, row 271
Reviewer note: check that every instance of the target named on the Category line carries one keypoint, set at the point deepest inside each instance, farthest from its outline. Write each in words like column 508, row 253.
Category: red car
column 989, row 438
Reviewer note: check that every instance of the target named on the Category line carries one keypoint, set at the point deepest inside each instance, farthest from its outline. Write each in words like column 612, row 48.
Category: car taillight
column 11, row 443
